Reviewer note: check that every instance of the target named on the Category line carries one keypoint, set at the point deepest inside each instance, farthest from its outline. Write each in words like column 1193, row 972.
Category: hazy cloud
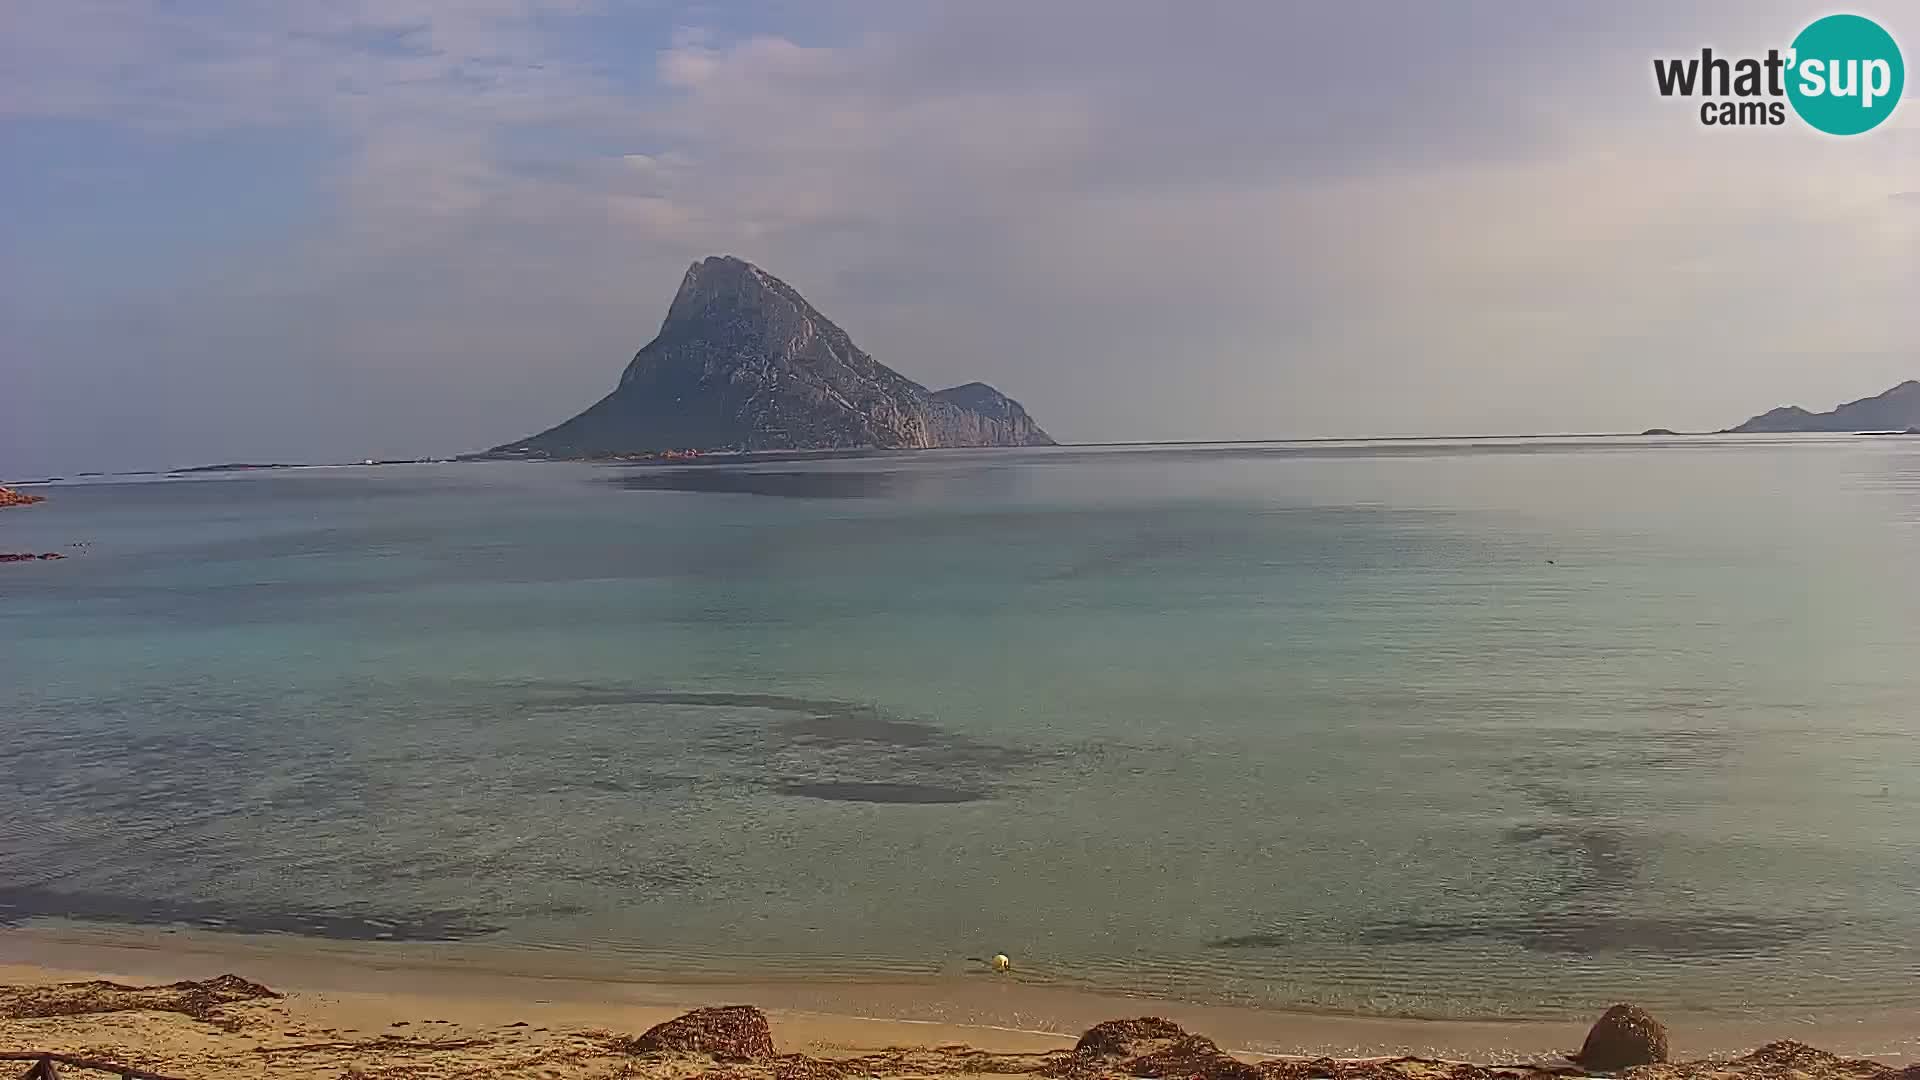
column 434, row 226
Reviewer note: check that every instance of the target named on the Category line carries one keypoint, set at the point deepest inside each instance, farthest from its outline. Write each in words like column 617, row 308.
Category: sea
column 1469, row 728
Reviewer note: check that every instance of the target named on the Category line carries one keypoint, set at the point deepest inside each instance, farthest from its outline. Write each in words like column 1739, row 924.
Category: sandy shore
column 509, row 1012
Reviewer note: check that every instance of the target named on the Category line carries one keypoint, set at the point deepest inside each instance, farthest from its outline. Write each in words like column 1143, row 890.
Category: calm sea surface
column 1503, row 728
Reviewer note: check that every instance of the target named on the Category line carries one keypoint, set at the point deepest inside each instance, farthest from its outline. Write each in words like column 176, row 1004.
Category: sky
column 374, row 228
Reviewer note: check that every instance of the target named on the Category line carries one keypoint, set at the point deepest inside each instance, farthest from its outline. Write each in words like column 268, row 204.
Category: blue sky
column 305, row 231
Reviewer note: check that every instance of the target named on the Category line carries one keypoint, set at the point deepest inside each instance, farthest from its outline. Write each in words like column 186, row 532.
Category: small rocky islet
column 10, row 497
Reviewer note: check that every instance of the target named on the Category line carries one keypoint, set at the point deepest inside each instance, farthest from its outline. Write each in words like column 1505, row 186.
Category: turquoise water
column 1449, row 729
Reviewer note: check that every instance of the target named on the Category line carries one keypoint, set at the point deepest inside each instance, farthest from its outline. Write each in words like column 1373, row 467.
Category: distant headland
column 1895, row 411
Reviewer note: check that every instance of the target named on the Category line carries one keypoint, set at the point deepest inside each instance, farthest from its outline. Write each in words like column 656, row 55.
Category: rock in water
column 1625, row 1036
column 743, row 362
column 724, row 1033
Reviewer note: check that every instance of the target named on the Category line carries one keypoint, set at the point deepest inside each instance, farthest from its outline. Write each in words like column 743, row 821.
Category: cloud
column 174, row 69
column 1212, row 220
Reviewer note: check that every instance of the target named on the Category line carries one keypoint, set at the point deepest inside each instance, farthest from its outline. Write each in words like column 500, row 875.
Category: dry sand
column 387, row 1011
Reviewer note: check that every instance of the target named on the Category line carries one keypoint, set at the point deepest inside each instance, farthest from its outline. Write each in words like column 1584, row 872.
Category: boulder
column 1625, row 1036
column 1129, row 1038
column 1152, row 1047
column 724, row 1033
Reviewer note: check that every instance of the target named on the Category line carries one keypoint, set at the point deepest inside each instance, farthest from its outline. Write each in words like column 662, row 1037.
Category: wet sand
column 461, row 990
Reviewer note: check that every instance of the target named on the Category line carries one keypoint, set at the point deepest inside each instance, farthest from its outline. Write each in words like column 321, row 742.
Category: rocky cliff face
column 975, row 414
column 743, row 362
column 1897, row 409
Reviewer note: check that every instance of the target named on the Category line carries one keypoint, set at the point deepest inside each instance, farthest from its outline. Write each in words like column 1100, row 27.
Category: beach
column 473, row 1010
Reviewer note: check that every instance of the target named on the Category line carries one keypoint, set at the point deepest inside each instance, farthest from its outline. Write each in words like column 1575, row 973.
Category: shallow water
column 1503, row 728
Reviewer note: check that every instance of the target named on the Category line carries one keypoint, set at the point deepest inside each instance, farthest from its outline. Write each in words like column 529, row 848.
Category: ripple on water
column 21, row 903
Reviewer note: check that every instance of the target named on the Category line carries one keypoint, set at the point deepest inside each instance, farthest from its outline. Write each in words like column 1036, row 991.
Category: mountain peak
column 721, row 281
column 743, row 362
column 717, row 271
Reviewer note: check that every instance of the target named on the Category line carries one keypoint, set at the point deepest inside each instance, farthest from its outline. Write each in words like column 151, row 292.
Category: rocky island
column 1895, row 410
column 743, row 362
column 10, row 497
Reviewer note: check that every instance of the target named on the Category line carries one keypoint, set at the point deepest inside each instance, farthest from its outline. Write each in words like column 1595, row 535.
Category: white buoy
column 1000, row 962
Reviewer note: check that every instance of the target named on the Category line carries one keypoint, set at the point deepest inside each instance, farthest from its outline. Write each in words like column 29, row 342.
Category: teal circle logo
column 1846, row 74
